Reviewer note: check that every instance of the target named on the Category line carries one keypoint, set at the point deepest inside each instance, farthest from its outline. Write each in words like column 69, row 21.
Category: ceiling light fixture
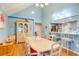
column 37, row 4
column 41, row 4
column 46, row 3
column 33, row 12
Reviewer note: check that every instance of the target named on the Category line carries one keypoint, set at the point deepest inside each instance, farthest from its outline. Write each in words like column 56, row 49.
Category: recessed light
column 33, row 12
column 46, row 3
column 37, row 4
column 42, row 5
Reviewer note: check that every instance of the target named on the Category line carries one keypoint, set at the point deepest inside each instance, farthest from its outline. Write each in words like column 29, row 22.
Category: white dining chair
column 56, row 49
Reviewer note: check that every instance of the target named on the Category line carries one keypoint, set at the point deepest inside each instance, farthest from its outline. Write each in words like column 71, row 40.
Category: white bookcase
column 69, row 30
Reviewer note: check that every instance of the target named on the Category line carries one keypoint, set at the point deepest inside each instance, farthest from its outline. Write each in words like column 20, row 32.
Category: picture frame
column 2, row 21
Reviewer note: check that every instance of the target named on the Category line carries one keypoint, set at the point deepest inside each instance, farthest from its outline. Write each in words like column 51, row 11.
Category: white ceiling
column 11, row 8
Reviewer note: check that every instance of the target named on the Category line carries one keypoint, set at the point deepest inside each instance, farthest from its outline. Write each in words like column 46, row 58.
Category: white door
column 38, row 28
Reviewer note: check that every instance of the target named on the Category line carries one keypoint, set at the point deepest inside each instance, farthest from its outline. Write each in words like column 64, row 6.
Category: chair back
column 56, row 49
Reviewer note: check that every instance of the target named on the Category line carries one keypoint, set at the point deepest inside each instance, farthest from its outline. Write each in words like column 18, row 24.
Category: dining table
column 40, row 44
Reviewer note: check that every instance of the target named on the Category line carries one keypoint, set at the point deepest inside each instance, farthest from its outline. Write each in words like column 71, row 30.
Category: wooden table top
column 40, row 44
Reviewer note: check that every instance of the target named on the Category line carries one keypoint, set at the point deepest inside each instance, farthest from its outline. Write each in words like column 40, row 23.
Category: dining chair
column 28, row 50
column 56, row 49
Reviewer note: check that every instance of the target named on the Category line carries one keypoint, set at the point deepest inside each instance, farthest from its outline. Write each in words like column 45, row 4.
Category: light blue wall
column 49, row 10
column 26, row 13
column 3, row 32
column 12, row 29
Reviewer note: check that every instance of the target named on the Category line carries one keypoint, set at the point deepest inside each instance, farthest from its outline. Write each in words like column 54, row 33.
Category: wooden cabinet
column 22, row 30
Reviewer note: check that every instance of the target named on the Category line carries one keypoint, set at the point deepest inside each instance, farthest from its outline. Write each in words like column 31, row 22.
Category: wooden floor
column 66, row 52
column 19, row 51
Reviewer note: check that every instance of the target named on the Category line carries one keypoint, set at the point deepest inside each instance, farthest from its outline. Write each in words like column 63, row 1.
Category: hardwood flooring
column 19, row 51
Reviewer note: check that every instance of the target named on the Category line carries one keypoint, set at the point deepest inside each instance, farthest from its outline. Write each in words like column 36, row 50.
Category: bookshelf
column 68, row 30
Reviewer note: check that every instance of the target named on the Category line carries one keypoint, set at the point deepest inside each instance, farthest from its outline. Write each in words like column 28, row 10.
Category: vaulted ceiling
column 11, row 8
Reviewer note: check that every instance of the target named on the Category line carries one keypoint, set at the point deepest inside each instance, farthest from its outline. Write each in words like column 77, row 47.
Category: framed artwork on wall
column 2, row 21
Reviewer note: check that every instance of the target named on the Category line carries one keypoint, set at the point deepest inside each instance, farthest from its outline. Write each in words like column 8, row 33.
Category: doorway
column 38, row 29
